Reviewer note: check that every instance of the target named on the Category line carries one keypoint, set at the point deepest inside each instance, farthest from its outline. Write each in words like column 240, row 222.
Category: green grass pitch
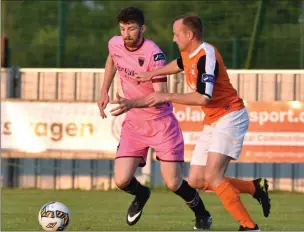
column 98, row 210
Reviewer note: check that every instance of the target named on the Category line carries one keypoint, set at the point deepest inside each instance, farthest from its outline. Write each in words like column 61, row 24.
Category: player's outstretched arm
column 109, row 75
column 194, row 98
column 124, row 104
column 156, row 98
column 143, row 102
column 168, row 69
column 205, row 83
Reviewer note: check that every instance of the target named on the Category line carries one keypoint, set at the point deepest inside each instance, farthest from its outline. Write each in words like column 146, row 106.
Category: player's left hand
column 157, row 98
column 142, row 77
column 124, row 105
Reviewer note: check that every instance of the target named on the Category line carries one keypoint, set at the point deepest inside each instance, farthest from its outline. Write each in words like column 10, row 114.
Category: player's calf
column 195, row 203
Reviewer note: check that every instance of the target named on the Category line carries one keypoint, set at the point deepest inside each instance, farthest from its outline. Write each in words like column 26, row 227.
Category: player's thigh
column 168, row 141
column 216, row 167
column 124, row 170
column 199, row 158
column 226, row 144
column 202, row 145
column 132, row 144
column 172, row 174
column 229, row 133
column 131, row 153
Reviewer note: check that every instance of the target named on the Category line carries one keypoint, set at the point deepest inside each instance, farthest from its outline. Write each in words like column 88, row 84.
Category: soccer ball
column 54, row 216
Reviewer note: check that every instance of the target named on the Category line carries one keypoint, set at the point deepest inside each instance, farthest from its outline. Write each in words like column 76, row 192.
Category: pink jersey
column 129, row 63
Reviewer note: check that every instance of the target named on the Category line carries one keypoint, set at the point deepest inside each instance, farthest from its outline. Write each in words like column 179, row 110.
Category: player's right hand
column 145, row 76
column 102, row 103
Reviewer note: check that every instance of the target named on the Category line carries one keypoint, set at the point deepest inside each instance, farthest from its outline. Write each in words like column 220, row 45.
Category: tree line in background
column 32, row 28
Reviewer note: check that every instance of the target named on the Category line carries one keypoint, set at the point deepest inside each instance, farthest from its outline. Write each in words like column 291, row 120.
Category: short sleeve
column 207, row 67
column 157, row 61
column 179, row 61
column 111, row 45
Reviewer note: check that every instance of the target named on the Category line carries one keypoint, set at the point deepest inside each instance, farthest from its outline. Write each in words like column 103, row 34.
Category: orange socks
column 231, row 201
column 242, row 186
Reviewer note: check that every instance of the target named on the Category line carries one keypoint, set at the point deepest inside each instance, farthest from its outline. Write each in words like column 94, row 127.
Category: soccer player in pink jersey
column 145, row 127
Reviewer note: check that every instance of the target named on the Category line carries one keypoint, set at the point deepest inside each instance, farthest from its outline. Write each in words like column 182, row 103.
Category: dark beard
column 134, row 43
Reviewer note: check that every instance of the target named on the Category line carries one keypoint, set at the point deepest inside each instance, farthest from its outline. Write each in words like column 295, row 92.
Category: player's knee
column 196, row 182
column 210, row 177
column 121, row 181
column 174, row 183
column 196, row 179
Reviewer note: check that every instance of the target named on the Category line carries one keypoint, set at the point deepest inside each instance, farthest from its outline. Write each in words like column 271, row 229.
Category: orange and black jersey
column 206, row 73
column 202, row 78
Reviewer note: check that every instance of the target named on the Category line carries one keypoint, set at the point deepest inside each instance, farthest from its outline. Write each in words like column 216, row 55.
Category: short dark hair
column 194, row 24
column 131, row 14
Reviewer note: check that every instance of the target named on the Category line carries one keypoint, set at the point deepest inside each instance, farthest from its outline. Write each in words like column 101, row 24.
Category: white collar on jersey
column 197, row 50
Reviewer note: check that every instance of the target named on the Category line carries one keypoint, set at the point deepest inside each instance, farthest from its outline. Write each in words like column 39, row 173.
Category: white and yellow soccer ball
column 54, row 216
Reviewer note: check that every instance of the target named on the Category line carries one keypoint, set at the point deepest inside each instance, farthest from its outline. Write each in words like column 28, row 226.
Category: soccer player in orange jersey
column 225, row 123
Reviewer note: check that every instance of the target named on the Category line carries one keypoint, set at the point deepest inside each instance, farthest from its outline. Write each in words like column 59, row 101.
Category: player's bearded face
column 132, row 34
